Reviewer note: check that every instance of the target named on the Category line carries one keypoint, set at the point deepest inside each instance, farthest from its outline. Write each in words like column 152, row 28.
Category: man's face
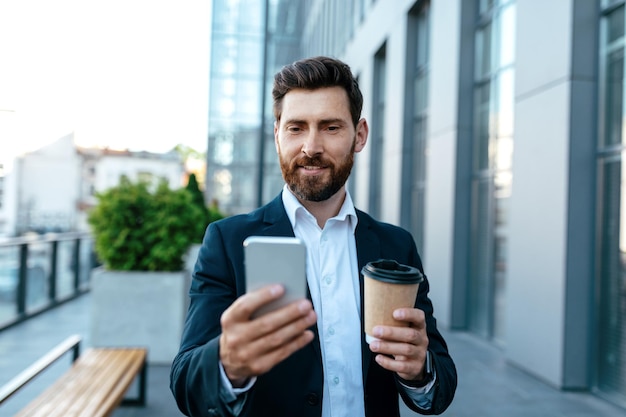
column 316, row 141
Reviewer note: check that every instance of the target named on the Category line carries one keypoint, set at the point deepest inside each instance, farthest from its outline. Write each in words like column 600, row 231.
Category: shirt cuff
column 422, row 397
column 233, row 397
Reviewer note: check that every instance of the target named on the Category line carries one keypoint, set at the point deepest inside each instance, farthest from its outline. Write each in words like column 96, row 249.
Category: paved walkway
column 488, row 386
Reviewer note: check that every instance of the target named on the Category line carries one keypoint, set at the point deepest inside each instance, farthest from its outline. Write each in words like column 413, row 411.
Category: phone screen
column 276, row 260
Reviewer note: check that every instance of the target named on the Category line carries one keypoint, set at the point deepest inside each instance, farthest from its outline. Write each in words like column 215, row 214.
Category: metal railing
column 40, row 272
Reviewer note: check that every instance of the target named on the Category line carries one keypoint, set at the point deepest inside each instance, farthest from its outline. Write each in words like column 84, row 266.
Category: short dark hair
column 314, row 73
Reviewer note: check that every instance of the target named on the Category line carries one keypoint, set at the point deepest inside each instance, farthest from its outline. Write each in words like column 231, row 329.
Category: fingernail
column 378, row 332
column 304, row 306
column 374, row 345
column 276, row 289
column 398, row 314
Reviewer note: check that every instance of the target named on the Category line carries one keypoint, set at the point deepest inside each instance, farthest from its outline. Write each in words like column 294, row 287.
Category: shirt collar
column 293, row 207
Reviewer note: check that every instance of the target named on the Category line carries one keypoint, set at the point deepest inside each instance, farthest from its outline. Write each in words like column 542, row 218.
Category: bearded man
column 310, row 357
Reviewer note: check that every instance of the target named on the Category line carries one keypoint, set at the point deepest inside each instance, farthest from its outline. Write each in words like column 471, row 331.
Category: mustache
column 315, row 161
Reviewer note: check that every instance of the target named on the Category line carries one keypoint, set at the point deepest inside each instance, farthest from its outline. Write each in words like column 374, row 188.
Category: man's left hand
column 403, row 349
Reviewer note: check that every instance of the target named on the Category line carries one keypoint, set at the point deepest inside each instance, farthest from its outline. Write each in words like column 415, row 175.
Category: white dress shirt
column 333, row 278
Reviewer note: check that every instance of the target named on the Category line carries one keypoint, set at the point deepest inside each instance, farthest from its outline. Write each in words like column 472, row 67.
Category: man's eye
column 333, row 128
column 293, row 129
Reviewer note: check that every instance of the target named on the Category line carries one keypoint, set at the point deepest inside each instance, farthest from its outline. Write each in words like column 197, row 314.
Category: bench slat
column 93, row 387
column 106, row 368
column 131, row 366
column 101, row 371
column 53, row 402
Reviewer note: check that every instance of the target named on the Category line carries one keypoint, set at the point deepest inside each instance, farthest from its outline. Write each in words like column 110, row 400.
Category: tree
column 198, row 200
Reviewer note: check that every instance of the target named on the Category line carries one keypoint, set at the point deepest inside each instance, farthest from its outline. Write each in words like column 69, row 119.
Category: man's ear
column 276, row 136
column 362, row 130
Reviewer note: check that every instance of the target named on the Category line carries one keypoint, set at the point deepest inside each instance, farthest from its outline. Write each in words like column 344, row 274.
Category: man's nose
column 313, row 144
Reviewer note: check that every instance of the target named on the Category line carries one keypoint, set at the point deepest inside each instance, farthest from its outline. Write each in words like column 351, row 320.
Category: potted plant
column 142, row 232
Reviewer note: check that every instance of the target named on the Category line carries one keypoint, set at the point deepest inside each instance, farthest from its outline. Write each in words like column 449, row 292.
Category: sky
column 128, row 74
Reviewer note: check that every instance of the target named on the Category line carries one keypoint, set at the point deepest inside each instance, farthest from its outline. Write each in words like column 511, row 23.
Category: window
column 610, row 378
column 145, row 176
column 378, row 129
column 491, row 165
column 416, row 104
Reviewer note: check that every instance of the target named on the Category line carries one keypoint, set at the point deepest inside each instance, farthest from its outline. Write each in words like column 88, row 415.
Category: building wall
column 103, row 170
column 542, row 284
column 48, row 187
column 110, row 168
column 546, row 316
column 388, row 25
column 388, row 29
column 8, row 211
column 443, row 131
column 539, row 203
column 3, row 202
column 547, row 247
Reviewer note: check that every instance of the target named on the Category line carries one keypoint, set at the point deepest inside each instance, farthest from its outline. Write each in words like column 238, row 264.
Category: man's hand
column 252, row 347
column 406, row 345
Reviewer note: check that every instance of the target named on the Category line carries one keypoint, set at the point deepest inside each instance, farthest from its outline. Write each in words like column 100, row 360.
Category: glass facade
column 330, row 25
column 610, row 377
column 416, row 104
column 238, row 35
column 283, row 47
column 491, row 166
column 247, row 47
column 376, row 137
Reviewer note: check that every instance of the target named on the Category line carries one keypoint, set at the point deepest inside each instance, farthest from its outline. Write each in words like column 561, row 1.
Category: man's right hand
column 251, row 347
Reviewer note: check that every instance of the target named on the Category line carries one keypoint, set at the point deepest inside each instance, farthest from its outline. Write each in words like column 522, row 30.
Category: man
column 310, row 357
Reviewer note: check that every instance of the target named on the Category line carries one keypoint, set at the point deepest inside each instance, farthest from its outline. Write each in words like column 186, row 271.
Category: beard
column 316, row 188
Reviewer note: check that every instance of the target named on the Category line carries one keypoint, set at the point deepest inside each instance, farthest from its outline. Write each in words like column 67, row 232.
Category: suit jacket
column 294, row 387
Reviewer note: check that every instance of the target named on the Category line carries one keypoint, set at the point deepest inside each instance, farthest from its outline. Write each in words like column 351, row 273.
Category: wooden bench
column 93, row 387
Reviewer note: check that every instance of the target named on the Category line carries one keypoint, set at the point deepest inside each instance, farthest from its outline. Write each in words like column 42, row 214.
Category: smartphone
column 276, row 260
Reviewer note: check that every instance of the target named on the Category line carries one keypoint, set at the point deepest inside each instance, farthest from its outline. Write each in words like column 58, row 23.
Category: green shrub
column 136, row 229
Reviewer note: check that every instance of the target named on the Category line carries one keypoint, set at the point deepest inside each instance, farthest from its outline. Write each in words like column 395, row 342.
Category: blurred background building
column 495, row 138
column 250, row 41
column 52, row 188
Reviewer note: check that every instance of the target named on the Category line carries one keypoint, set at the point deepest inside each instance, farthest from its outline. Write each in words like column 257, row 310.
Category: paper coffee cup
column 388, row 285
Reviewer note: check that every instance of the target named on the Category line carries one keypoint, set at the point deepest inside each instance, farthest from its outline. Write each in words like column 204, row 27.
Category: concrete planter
column 135, row 308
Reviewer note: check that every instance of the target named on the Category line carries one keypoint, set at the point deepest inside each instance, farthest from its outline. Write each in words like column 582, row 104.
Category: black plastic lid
column 389, row 270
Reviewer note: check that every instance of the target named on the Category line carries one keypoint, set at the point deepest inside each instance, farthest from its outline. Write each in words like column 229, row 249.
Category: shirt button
column 328, row 280
column 331, row 331
column 313, row 399
column 336, row 380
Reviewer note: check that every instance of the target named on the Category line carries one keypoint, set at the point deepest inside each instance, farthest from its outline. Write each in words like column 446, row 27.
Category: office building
column 496, row 138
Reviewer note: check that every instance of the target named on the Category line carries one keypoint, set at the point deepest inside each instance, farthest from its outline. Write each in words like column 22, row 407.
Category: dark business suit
column 294, row 387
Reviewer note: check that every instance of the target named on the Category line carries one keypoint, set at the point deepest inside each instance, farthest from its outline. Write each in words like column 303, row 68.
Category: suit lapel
column 275, row 220
column 367, row 249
